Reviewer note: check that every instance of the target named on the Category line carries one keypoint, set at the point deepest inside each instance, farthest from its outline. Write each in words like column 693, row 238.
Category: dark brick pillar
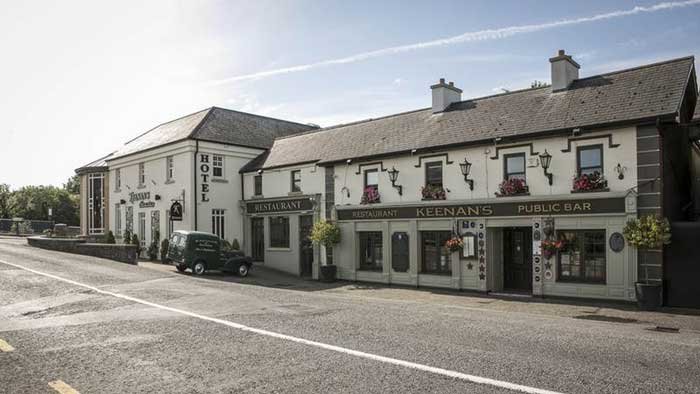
column 330, row 202
column 649, row 197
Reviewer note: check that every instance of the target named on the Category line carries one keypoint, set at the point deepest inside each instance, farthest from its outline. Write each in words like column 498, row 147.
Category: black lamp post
column 545, row 160
column 466, row 166
column 393, row 175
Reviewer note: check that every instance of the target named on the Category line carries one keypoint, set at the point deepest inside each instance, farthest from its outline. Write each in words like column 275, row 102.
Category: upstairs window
column 169, row 168
column 117, row 180
column 217, row 166
column 433, row 174
column 514, row 166
column 296, row 181
column 142, row 174
column 589, row 159
column 372, row 179
column 257, row 185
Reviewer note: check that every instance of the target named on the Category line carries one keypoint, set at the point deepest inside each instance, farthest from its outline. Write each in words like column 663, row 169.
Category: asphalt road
column 122, row 328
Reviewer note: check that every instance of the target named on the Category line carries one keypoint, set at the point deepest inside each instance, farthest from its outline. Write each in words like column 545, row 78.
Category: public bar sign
column 496, row 209
column 298, row 204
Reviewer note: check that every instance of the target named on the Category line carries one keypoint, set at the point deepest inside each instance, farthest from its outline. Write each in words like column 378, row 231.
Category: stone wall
column 117, row 252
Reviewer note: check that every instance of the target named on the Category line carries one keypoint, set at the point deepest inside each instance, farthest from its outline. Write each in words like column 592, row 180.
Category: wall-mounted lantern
column 122, row 201
column 466, row 166
column 620, row 170
column 393, row 175
column 157, row 197
column 545, row 160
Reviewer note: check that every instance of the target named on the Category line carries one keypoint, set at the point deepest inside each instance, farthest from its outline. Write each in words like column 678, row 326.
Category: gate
column 682, row 266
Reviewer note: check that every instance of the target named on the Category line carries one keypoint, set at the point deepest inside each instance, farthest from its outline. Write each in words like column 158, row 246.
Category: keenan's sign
column 299, row 204
column 525, row 208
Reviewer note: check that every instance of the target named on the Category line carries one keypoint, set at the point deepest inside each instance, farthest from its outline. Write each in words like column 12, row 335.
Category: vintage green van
column 200, row 252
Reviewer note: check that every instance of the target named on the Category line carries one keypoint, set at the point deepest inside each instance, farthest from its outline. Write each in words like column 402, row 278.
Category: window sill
column 375, row 270
column 219, row 180
column 272, row 249
column 141, row 186
column 433, row 199
column 436, row 273
column 117, row 190
column 605, row 189
column 299, row 193
column 257, row 197
column 580, row 282
column 513, row 195
column 169, row 181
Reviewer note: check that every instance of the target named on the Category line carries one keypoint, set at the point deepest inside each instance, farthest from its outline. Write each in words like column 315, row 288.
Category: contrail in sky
column 482, row 35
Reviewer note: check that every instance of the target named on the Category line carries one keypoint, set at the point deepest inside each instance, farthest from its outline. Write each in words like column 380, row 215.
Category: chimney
column 564, row 70
column 444, row 95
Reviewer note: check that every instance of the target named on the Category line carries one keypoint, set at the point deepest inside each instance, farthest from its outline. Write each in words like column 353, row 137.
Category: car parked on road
column 201, row 252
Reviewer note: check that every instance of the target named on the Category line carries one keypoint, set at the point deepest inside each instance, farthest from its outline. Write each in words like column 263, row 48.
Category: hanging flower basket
column 454, row 244
column 590, row 183
column 648, row 232
column 551, row 247
column 430, row 192
column 512, row 187
column 370, row 196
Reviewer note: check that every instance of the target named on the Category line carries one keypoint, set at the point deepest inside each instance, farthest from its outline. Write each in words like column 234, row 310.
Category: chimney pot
column 562, row 52
column 442, row 80
column 452, row 83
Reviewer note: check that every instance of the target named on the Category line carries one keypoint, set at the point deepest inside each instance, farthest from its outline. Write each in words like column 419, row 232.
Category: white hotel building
column 265, row 182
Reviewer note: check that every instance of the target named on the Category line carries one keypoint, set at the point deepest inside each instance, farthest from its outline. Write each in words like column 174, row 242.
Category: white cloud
column 481, row 35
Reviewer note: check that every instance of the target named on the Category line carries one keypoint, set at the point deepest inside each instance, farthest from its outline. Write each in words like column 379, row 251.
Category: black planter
column 648, row 295
column 328, row 273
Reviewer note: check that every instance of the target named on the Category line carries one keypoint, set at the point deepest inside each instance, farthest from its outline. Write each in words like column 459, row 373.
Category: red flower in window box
column 590, row 182
column 370, row 196
column 512, row 187
column 431, row 192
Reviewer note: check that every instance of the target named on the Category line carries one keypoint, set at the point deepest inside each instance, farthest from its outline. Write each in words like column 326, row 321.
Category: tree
column 5, row 195
column 538, row 84
column 33, row 203
column 73, row 184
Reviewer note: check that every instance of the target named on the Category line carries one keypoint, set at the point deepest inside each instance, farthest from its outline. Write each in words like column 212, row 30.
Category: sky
column 80, row 78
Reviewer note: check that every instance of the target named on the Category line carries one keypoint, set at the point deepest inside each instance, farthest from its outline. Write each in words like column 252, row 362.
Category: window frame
column 118, row 180
column 275, row 242
column 142, row 174
column 437, row 236
column 257, row 185
column 117, row 219
column 369, row 171
column 579, row 149
column 506, row 174
column 368, row 239
column 295, row 185
column 96, row 203
column 580, row 235
column 218, row 166
column 169, row 169
column 430, row 164
column 218, row 222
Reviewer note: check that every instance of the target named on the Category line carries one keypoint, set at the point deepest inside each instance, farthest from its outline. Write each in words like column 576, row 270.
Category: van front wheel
column 199, row 268
column 243, row 270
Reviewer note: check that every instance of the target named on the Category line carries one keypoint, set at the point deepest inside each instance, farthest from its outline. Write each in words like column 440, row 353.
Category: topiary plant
column 235, row 245
column 127, row 237
column 164, row 246
column 325, row 233
column 109, row 238
column 135, row 241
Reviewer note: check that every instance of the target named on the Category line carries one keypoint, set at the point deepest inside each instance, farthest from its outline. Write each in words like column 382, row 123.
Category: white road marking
column 5, row 347
column 62, row 387
column 339, row 349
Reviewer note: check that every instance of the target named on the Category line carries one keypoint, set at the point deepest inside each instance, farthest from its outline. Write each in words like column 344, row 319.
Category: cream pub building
column 572, row 161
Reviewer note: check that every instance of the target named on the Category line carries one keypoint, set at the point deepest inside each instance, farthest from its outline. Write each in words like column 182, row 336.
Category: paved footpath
column 79, row 323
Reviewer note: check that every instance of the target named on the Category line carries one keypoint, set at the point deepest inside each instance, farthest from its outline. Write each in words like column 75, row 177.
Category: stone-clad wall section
column 649, row 197
column 122, row 253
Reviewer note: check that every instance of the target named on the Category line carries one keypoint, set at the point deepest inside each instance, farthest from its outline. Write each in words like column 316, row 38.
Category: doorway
column 517, row 259
column 257, row 230
column 306, row 247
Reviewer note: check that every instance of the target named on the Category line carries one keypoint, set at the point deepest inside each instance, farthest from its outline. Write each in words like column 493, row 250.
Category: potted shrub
column 327, row 234
column 590, row 183
column 433, row 192
column 235, row 245
column 370, row 196
column 648, row 232
column 127, row 237
column 164, row 245
column 512, row 187
column 109, row 238
column 135, row 241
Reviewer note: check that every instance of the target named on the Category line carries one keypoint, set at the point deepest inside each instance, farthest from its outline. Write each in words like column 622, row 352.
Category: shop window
column 217, row 222
column 582, row 258
column 433, row 174
column 514, row 166
column 169, row 168
column 434, row 255
column 399, row 252
column 217, row 166
column 372, row 179
column 142, row 175
column 142, row 230
column 589, row 159
column 257, row 185
column 296, row 181
column 279, row 232
column 371, row 250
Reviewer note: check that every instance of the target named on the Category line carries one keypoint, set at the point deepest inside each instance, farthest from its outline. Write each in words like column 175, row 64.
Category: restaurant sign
column 298, row 204
column 525, row 208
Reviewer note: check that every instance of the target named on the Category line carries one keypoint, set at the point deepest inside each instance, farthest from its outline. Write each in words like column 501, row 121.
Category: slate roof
column 641, row 93
column 95, row 166
column 217, row 125
column 696, row 115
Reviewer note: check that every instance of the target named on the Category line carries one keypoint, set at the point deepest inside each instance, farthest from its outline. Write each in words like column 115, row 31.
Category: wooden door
column 517, row 259
column 257, row 231
column 306, row 247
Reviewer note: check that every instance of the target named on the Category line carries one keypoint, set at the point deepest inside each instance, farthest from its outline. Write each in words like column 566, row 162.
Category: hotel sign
column 299, row 204
column 525, row 208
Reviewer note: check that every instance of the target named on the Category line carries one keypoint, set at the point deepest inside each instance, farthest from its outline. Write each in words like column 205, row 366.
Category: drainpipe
column 194, row 200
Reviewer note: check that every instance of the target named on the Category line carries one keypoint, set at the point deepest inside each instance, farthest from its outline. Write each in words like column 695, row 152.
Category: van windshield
column 178, row 240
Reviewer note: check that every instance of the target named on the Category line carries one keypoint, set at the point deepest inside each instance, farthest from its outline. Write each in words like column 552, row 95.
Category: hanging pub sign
column 176, row 211
column 297, row 204
column 525, row 208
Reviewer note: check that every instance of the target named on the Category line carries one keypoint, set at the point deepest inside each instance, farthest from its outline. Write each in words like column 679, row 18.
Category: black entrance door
column 517, row 258
column 257, row 230
column 306, row 248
